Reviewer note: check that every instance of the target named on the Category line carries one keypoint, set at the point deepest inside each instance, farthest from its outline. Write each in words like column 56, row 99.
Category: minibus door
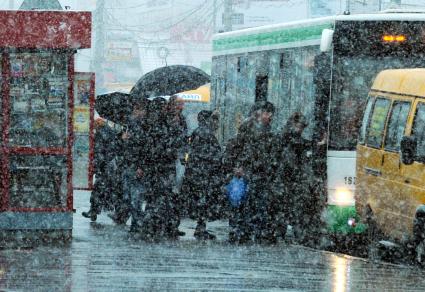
column 391, row 201
column 374, row 152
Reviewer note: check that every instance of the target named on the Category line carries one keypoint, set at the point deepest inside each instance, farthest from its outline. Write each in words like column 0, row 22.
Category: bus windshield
column 352, row 78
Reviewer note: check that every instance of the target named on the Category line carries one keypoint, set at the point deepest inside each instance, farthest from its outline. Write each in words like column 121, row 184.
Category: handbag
column 237, row 191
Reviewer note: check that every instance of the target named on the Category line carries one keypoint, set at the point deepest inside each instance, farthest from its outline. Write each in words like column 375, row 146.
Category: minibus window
column 396, row 125
column 419, row 130
column 377, row 122
column 362, row 136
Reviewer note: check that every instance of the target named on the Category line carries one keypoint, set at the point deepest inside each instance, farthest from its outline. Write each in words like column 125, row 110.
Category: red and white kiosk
column 36, row 119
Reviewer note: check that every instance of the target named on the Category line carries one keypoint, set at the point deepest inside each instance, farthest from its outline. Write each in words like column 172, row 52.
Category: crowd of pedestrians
column 136, row 173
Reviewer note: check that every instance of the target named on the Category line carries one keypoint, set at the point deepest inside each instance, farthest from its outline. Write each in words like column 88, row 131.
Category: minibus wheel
column 372, row 234
column 419, row 235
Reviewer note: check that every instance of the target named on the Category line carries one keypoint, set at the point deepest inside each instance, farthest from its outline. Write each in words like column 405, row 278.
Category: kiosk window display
column 39, row 107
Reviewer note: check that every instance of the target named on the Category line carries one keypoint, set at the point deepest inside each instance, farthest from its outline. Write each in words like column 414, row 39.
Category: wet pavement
column 102, row 257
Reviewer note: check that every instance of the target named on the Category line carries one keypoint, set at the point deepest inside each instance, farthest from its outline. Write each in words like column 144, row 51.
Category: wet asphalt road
column 102, row 257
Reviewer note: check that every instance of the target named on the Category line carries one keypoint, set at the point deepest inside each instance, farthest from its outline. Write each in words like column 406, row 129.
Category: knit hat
column 264, row 106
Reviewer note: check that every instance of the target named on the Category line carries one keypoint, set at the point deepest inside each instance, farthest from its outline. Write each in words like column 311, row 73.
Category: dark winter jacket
column 135, row 151
column 162, row 151
column 292, row 153
column 204, row 165
column 254, row 150
column 177, row 128
column 103, row 148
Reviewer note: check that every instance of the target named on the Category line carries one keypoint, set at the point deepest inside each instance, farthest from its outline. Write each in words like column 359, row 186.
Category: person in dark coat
column 177, row 122
column 135, row 153
column 254, row 159
column 293, row 174
column 177, row 133
column 121, row 207
column 203, row 171
column 103, row 153
column 159, row 220
column 238, row 215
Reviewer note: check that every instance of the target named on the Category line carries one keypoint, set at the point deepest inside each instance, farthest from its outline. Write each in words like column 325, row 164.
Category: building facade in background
column 152, row 33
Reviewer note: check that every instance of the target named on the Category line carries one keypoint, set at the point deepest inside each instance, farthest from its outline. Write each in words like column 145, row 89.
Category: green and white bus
column 323, row 68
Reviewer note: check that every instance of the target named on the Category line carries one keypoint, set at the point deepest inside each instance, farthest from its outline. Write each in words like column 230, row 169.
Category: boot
column 117, row 219
column 90, row 214
column 201, row 233
column 204, row 235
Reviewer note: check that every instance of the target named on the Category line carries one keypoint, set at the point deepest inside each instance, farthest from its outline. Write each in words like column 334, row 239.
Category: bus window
column 419, row 130
column 365, row 121
column 377, row 123
column 352, row 79
column 261, row 86
column 396, row 125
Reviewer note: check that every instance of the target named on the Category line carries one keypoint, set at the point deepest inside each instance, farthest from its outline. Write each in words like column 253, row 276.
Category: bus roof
column 293, row 34
column 283, row 35
column 383, row 17
column 402, row 81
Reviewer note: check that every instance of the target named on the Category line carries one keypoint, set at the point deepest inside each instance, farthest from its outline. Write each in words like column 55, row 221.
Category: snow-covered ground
column 102, row 257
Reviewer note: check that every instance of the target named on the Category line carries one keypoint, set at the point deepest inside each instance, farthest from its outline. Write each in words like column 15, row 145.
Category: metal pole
column 308, row 8
column 227, row 17
column 215, row 17
column 97, row 60
column 347, row 6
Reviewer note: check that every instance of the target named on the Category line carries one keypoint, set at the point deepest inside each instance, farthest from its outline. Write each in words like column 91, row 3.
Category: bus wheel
column 419, row 252
column 419, row 236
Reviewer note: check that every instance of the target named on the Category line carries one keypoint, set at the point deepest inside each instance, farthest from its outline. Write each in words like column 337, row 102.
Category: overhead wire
column 201, row 14
column 130, row 7
column 183, row 15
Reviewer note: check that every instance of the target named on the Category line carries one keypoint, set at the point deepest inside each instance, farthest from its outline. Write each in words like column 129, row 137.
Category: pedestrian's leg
column 137, row 190
column 175, row 216
column 127, row 186
column 95, row 200
column 245, row 223
column 233, row 225
column 201, row 227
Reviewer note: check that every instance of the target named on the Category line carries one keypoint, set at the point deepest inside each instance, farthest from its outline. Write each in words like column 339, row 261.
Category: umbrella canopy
column 169, row 80
column 115, row 106
column 164, row 81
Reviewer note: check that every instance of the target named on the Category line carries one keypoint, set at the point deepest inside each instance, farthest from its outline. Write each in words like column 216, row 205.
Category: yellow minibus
column 390, row 191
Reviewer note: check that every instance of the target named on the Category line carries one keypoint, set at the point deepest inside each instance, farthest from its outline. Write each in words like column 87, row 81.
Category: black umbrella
column 115, row 106
column 163, row 81
column 169, row 80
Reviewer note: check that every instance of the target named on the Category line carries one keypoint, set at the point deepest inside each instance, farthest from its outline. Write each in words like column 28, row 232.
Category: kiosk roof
column 45, row 29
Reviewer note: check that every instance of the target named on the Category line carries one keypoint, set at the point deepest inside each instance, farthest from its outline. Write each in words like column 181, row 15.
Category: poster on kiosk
column 83, row 149
column 36, row 121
